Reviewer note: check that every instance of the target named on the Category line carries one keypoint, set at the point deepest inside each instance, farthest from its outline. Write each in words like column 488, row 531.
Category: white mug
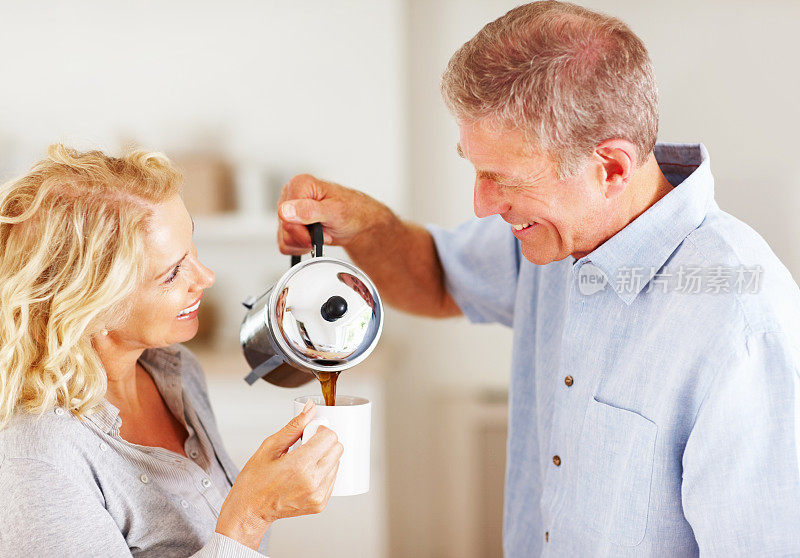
column 350, row 418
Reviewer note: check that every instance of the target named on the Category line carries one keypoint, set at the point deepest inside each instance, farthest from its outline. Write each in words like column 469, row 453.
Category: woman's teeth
column 192, row 308
column 523, row 226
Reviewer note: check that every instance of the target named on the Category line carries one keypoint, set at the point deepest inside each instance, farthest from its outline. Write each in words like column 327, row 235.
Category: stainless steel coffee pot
column 323, row 315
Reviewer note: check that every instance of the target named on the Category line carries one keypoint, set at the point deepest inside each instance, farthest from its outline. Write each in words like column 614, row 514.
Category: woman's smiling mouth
column 191, row 311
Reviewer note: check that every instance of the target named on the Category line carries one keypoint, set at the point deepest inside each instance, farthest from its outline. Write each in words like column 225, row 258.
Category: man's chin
column 537, row 255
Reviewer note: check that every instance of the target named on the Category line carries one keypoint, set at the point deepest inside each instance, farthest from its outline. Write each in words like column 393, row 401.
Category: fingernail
column 309, row 405
column 287, row 210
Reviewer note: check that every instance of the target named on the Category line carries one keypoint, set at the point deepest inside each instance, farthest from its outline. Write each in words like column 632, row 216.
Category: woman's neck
column 122, row 373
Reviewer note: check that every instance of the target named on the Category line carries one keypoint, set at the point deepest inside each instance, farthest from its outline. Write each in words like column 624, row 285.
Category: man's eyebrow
column 499, row 178
column 491, row 175
column 173, row 266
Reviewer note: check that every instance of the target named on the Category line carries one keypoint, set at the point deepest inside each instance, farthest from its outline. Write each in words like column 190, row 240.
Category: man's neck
column 648, row 185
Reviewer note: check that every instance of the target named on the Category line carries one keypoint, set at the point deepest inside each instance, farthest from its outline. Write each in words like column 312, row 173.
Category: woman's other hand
column 276, row 483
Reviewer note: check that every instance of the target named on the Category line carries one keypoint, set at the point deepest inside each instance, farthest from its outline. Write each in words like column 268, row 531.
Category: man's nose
column 488, row 199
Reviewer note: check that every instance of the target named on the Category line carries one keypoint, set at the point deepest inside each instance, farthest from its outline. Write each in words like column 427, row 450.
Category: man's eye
column 174, row 274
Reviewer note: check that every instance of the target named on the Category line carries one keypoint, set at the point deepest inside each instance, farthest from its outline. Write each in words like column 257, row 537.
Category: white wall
column 298, row 86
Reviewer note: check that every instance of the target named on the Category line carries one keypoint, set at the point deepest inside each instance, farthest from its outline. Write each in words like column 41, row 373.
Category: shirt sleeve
column 741, row 479
column 481, row 262
column 44, row 513
column 221, row 546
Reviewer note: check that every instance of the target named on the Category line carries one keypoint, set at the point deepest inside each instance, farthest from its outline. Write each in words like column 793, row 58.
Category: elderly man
column 654, row 391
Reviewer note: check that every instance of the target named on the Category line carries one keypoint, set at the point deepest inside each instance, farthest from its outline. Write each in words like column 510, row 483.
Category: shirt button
column 103, row 446
column 185, row 504
column 59, row 411
column 144, row 478
column 206, row 483
column 193, row 454
column 568, row 381
column 556, row 460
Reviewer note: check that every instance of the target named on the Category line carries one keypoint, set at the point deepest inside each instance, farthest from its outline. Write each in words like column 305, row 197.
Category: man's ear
column 616, row 163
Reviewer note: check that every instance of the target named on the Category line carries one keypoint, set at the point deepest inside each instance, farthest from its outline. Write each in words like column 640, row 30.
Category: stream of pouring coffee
column 328, row 382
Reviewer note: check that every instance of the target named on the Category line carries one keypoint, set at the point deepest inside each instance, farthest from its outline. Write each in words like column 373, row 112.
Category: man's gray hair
column 567, row 77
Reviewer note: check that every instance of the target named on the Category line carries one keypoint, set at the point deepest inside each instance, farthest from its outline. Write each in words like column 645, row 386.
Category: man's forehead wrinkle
column 503, row 155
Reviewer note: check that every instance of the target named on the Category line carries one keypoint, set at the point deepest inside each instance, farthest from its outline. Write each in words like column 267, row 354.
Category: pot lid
column 326, row 315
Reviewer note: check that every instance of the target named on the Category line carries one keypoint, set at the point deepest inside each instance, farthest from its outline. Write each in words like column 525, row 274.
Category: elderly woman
column 108, row 444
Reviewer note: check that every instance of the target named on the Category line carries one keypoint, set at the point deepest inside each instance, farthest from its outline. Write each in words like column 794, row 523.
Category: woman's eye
column 174, row 274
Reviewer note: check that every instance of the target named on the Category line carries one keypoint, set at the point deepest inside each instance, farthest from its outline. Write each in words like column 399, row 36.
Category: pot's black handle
column 263, row 369
column 316, row 240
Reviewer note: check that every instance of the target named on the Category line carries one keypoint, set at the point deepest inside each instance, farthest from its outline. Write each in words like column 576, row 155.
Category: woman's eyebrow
column 173, row 266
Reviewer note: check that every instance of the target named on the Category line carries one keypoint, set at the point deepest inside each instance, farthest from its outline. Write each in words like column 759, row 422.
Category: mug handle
column 316, row 240
column 312, row 427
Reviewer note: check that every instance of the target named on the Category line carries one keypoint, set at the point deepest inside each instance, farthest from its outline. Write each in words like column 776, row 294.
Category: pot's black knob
column 334, row 308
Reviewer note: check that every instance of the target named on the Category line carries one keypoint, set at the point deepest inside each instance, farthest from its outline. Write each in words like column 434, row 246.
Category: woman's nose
column 205, row 276
column 488, row 199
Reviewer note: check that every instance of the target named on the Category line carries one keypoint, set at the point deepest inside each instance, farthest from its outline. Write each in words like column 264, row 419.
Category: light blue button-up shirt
column 676, row 433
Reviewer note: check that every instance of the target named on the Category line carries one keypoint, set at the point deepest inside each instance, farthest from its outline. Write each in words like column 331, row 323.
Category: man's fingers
column 296, row 240
column 303, row 211
column 287, row 245
column 304, row 186
column 300, row 187
column 296, row 236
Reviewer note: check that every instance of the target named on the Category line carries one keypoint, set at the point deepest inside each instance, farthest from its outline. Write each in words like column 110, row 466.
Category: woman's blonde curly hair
column 71, row 254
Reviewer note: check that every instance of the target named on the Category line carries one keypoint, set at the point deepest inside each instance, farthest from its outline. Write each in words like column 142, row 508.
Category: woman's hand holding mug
column 276, row 483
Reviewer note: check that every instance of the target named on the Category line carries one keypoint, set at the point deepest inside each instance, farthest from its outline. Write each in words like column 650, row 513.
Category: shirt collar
column 162, row 363
column 647, row 242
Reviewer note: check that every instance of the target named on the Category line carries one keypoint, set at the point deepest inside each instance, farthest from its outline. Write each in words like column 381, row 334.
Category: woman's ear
column 616, row 163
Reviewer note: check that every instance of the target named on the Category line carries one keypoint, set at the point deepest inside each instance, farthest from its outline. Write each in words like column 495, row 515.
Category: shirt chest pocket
column 615, row 469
